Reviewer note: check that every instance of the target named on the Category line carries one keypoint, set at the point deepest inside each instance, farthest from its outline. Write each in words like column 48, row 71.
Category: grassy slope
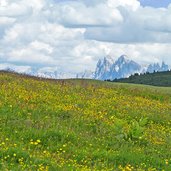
column 156, row 79
column 83, row 125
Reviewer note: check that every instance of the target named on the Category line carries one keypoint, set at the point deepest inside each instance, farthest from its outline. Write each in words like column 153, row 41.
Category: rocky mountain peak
column 122, row 59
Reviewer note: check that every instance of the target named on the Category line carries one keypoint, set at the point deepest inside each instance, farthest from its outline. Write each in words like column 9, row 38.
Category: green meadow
column 51, row 125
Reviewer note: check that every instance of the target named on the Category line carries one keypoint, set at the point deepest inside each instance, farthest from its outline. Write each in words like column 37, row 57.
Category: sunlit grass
column 83, row 125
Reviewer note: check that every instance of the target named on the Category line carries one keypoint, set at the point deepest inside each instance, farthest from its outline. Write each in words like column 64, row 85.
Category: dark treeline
column 155, row 79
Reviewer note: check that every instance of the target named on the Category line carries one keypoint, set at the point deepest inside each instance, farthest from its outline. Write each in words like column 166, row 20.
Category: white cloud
column 80, row 15
column 6, row 21
column 74, row 34
column 14, row 9
column 46, row 48
column 144, row 25
column 29, row 56
column 131, row 4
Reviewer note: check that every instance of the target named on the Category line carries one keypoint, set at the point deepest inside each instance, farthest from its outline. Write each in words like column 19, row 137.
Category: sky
column 155, row 3
column 72, row 35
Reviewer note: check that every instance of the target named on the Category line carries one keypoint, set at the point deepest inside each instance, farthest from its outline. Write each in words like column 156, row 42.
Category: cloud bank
column 74, row 34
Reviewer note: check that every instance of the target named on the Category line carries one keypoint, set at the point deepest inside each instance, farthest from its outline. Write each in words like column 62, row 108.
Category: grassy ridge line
column 75, row 81
column 83, row 125
column 139, row 89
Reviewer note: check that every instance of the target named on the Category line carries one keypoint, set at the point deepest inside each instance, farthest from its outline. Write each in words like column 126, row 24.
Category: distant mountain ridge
column 156, row 67
column 46, row 72
column 123, row 67
column 106, row 69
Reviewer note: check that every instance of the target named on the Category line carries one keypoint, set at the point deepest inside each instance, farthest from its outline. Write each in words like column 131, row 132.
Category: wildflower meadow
column 50, row 125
